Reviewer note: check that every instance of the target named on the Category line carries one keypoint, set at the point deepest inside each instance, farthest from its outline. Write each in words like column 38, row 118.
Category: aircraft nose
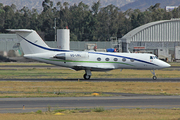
column 165, row 65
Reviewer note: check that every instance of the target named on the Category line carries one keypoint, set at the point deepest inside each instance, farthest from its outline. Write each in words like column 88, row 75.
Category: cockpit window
column 153, row 57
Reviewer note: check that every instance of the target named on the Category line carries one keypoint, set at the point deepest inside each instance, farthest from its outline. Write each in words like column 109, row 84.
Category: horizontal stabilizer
column 19, row 30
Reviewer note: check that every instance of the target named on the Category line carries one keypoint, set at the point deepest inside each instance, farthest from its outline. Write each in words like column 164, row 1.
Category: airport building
column 161, row 38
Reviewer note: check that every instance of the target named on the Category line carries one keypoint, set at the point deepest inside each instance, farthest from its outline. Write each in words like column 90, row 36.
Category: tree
column 124, row 24
column 135, row 18
column 47, row 17
column 77, row 21
column 95, row 7
column 174, row 13
column 8, row 17
column 25, row 17
column 2, row 14
column 109, row 22
column 35, row 21
column 47, row 4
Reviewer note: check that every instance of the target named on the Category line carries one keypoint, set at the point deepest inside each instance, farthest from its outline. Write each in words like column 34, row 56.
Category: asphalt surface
column 20, row 105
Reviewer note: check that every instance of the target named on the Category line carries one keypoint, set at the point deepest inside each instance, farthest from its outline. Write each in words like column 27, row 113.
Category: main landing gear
column 154, row 75
column 87, row 75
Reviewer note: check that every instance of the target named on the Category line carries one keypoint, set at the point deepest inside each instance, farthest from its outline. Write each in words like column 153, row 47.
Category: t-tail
column 30, row 41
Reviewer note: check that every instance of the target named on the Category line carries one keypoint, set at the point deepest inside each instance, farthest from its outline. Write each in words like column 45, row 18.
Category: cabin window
column 151, row 57
column 107, row 59
column 98, row 59
column 115, row 59
column 132, row 60
column 124, row 59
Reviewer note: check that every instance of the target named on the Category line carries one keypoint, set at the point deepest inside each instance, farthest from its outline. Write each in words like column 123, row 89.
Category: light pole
column 55, row 30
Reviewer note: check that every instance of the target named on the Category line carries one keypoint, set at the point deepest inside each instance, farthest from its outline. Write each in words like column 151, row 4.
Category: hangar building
column 161, row 38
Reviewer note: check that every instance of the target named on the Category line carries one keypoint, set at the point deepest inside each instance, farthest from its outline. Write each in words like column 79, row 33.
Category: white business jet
column 35, row 48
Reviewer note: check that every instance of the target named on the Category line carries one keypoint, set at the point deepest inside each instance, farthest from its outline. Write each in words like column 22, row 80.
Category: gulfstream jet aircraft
column 35, row 48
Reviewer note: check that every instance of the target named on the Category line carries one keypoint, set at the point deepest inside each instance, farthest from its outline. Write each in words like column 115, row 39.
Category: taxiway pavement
column 20, row 105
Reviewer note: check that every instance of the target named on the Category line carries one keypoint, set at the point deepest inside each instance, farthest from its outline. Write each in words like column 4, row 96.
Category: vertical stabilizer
column 30, row 41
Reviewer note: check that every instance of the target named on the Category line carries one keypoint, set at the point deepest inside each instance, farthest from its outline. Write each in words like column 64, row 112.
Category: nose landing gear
column 154, row 75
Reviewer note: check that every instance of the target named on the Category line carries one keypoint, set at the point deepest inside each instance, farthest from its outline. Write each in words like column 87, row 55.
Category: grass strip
column 97, row 114
column 75, row 89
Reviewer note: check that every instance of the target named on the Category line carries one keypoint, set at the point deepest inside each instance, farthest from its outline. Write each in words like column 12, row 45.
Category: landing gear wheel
column 154, row 78
column 86, row 77
column 154, row 75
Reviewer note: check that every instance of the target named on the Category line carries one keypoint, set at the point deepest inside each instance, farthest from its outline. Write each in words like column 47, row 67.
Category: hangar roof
column 165, row 30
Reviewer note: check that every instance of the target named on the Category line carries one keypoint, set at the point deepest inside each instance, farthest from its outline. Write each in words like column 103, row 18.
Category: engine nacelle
column 72, row 56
